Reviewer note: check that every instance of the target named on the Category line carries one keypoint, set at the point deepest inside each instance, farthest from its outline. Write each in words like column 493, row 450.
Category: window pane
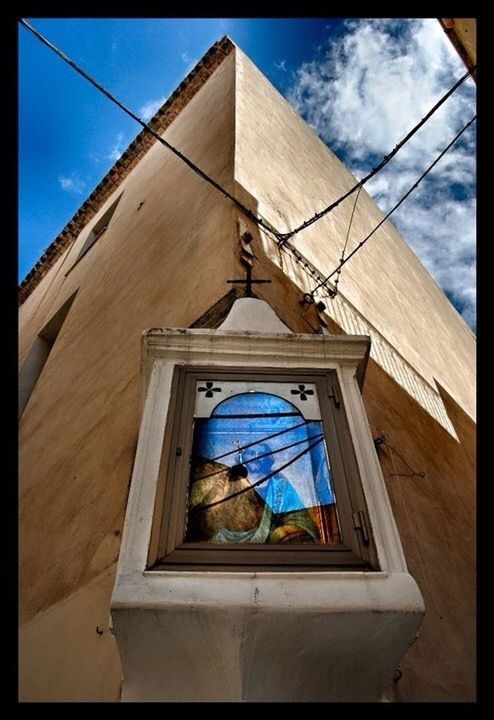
column 259, row 470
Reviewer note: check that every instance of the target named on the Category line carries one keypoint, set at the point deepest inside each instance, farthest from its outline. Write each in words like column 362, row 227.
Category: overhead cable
column 283, row 237
column 200, row 508
column 259, row 457
column 402, row 199
column 304, row 264
column 143, row 124
column 335, row 292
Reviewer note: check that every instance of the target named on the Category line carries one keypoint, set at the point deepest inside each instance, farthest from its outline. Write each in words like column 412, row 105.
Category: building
column 153, row 247
column 462, row 33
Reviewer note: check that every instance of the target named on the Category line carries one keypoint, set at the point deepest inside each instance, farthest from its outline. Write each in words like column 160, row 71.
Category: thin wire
column 281, row 237
column 256, row 442
column 335, row 293
column 144, row 125
column 259, row 457
column 286, row 236
column 395, row 207
column 413, row 472
column 199, row 508
column 303, row 262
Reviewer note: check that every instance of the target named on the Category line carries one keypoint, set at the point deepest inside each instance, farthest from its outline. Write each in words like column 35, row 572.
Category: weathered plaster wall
column 462, row 33
column 164, row 264
column 292, row 174
column 68, row 652
column 436, row 520
column 435, row 515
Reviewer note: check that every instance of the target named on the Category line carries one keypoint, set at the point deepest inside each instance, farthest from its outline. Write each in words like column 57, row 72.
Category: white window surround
column 258, row 636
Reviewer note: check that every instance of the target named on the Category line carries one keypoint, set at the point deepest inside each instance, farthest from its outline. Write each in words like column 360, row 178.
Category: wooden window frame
column 167, row 551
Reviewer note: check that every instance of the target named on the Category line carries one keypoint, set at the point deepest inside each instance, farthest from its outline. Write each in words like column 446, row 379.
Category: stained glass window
column 260, row 471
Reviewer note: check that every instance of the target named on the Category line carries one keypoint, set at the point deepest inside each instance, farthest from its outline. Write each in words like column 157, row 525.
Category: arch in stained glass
column 260, row 473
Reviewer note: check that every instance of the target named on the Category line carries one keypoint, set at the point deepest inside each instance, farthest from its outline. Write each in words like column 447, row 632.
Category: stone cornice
column 231, row 347
column 132, row 155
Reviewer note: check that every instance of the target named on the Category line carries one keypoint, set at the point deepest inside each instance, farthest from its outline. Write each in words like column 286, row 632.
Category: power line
column 258, row 457
column 346, row 242
column 263, row 439
column 200, row 508
column 304, row 264
column 362, row 242
column 270, row 230
column 158, row 137
column 382, row 439
column 283, row 237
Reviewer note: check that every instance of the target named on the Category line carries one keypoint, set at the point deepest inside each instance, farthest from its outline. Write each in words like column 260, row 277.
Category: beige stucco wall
column 68, row 652
column 292, row 174
column 165, row 265
column 462, row 33
column 162, row 265
column 436, row 520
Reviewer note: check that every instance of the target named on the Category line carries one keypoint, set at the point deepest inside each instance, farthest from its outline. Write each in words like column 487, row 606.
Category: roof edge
column 160, row 121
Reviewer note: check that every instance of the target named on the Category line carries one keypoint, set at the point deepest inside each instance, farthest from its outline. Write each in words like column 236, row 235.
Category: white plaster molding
column 254, row 349
column 139, row 513
column 390, row 552
column 276, row 635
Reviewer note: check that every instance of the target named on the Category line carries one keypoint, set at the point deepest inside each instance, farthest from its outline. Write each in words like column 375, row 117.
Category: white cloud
column 94, row 157
column 72, row 183
column 444, row 238
column 118, row 148
column 281, row 65
column 363, row 95
column 190, row 62
column 150, row 108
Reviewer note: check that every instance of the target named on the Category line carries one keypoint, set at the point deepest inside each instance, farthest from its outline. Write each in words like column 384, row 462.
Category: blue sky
column 360, row 83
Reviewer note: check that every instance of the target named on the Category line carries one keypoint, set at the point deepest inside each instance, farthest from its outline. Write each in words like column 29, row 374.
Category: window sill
column 261, row 558
column 244, row 636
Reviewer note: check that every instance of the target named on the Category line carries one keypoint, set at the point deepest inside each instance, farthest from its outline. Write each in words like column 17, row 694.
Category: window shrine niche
column 258, row 522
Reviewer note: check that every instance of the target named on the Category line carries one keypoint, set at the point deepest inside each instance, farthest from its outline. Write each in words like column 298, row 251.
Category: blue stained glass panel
column 260, row 473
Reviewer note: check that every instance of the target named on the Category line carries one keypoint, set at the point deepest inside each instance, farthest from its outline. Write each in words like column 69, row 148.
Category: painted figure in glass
column 260, row 474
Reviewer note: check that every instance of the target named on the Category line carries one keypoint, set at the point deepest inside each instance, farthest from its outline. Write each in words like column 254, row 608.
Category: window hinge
column 335, row 397
column 360, row 523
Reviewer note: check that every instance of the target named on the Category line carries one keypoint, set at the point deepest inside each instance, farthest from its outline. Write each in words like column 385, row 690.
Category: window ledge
column 202, row 636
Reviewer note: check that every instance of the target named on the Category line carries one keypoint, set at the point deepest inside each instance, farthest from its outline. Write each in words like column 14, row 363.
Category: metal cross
column 248, row 281
column 238, row 446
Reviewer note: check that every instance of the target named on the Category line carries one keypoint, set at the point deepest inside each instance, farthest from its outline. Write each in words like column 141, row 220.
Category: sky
column 361, row 84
